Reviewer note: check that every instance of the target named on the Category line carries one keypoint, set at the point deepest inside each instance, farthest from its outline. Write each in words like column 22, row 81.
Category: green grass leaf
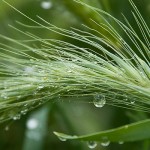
column 132, row 132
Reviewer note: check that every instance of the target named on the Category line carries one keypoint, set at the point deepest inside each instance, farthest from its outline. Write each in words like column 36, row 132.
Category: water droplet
column 69, row 71
column 6, row 128
column 62, row 139
column 132, row 102
column 40, row 86
column 24, row 111
column 91, row 144
column 99, row 100
column 4, row 96
column 25, row 105
column 120, row 142
column 32, row 123
column 95, row 62
column 121, row 39
column 34, row 93
column 46, row 4
column 105, row 141
column 17, row 117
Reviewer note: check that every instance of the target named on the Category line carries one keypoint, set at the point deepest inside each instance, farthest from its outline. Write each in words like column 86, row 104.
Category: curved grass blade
column 128, row 133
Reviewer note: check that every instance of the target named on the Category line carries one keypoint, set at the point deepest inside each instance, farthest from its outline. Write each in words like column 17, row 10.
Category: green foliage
column 106, row 61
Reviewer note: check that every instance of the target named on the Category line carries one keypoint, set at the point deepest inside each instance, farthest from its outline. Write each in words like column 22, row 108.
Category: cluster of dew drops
column 105, row 142
column 93, row 144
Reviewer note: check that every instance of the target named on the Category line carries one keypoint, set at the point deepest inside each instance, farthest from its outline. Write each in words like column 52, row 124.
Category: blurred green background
column 34, row 131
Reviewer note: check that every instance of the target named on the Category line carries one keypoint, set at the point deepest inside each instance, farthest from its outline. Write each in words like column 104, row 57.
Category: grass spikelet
column 37, row 70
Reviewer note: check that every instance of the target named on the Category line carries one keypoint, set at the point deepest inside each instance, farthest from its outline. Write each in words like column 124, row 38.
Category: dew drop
column 91, row 144
column 17, row 117
column 6, row 128
column 32, row 123
column 40, row 86
column 126, row 126
column 120, row 142
column 69, row 71
column 25, row 105
column 46, row 4
column 35, row 92
column 24, row 111
column 99, row 100
column 132, row 102
column 4, row 96
column 105, row 142
column 31, row 60
column 62, row 139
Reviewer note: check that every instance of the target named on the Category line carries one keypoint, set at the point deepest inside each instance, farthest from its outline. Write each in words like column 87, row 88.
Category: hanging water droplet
column 24, row 111
column 32, row 123
column 99, row 100
column 46, row 4
column 120, row 142
column 62, row 139
column 126, row 126
column 91, row 144
column 105, row 141
column 17, row 117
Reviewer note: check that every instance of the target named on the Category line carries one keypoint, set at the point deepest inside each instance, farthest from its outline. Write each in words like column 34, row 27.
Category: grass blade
column 132, row 132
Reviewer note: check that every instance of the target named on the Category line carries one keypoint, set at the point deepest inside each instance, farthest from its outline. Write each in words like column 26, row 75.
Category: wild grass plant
column 102, row 66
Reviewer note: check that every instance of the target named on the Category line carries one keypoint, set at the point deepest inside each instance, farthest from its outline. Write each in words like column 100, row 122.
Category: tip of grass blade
column 64, row 137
